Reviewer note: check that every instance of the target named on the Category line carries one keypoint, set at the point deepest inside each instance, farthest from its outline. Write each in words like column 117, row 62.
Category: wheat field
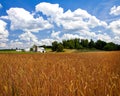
column 60, row 74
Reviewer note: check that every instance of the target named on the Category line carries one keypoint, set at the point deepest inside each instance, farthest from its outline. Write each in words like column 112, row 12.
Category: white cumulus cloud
column 115, row 10
column 116, row 39
column 49, row 9
column 105, row 37
column 70, row 36
column 23, row 20
column 115, row 26
column 16, row 44
column 28, row 37
column 78, row 19
column 3, row 33
column 55, row 35
column 46, row 41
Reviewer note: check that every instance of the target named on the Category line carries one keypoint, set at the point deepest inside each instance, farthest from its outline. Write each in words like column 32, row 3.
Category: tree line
column 84, row 44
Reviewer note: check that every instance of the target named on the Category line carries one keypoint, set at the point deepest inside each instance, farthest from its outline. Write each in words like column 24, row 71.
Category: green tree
column 54, row 46
column 84, row 43
column 77, row 43
column 65, row 44
column 110, row 46
column 91, row 44
column 118, row 47
column 60, row 48
column 71, row 44
column 100, row 44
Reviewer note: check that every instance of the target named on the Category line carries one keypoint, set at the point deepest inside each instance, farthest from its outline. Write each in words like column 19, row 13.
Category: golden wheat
column 66, row 74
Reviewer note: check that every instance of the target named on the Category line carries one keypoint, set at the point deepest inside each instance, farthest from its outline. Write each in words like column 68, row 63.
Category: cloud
column 76, row 20
column 49, row 9
column 1, row 6
column 104, row 37
column 46, row 41
column 70, row 36
column 16, row 44
column 115, row 10
column 3, row 33
column 116, row 39
column 70, row 21
column 55, row 35
column 80, row 20
column 115, row 26
column 23, row 20
column 28, row 37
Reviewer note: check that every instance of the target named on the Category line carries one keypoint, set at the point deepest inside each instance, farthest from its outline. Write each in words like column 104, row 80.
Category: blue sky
column 27, row 22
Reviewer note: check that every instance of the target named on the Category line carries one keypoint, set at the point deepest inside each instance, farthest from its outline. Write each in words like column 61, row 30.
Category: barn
column 27, row 49
column 18, row 50
column 38, row 49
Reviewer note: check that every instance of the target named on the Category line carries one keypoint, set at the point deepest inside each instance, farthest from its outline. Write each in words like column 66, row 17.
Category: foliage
column 57, row 46
column 60, row 48
column 54, row 46
column 100, row 44
column 118, row 47
column 91, row 44
column 85, row 44
column 110, row 46
column 65, row 44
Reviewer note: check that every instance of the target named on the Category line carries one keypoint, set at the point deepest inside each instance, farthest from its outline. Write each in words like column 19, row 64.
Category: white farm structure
column 27, row 49
column 35, row 49
column 18, row 50
column 39, row 49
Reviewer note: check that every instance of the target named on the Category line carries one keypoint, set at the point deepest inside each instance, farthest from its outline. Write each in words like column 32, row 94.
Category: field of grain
column 60, row 74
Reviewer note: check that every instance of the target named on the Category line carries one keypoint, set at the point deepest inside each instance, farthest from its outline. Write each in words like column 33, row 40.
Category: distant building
column 38, row 49
column 27, row 49
column 18, row 50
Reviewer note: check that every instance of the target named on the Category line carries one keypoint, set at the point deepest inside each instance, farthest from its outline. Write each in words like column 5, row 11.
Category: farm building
column 38, row 49
column 27, row 49
column 18, row 50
